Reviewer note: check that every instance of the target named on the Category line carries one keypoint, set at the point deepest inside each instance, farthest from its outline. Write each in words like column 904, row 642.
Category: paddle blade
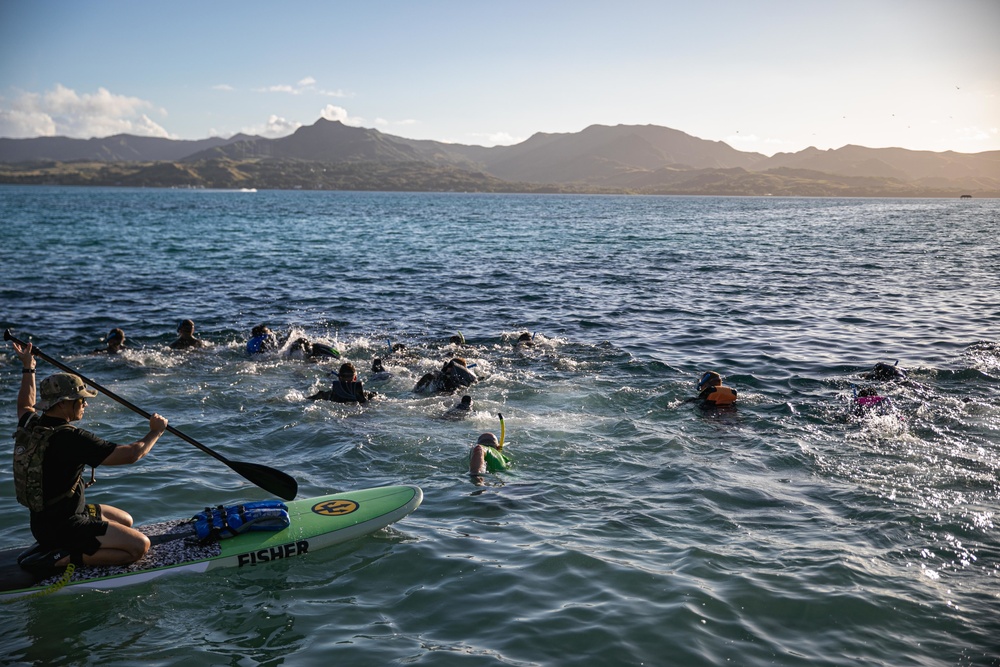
column 273, row 481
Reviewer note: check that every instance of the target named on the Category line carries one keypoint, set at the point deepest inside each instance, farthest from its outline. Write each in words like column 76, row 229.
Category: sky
column 766, row 76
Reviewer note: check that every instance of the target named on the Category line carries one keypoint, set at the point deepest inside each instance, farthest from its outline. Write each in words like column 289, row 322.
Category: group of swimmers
column 867, row 400
column 115, row 340
column 51, row 453
column 454, row 375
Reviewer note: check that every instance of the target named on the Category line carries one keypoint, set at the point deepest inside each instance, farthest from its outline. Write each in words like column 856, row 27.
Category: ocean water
column 635, row 528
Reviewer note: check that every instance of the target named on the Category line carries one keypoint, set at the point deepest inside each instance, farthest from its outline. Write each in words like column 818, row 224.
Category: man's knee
column 121, row 517
column 141, row 546
column 136, row 545
column 127, row 540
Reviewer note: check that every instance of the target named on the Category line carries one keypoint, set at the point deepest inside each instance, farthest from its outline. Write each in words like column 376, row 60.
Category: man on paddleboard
column 49, row 458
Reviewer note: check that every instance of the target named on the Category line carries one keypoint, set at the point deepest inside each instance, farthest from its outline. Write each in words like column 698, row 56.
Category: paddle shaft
column 269, row 479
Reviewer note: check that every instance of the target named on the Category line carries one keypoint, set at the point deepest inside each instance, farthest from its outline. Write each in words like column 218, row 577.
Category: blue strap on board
column 232, row 520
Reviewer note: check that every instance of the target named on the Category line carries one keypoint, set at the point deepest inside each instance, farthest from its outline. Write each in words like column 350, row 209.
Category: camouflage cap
column 62, row 387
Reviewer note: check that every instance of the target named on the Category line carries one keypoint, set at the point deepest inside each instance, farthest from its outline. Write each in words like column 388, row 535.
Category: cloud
column 495, row 138
column 225, row 87
column 977, row 134
column 331, row 112
column 304, row 85
column 276, row 126
column 281, row 88
column 382, row 122
column 19, row 124
column 754, row 144
column 64, row 112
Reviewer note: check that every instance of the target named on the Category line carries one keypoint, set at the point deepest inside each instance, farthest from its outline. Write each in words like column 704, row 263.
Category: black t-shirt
column 69, row 451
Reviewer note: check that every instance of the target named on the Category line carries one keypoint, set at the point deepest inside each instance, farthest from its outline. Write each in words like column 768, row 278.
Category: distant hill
column 890, row 163
column 117, row 148
column 333, row 142
column 600, row 152
column 622, row 158
column 324, row 141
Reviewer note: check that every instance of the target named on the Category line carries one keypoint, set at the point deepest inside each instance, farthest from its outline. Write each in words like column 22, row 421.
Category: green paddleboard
column 316, row 523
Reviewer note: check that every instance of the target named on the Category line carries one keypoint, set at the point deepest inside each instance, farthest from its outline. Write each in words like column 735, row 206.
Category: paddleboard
column 315, row 523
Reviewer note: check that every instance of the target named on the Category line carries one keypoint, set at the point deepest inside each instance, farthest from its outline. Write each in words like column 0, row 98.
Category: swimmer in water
column 303, row 347
column 867, row 402
column 883, row 372
column 452, row 376
column 460, row 410
column 487, row 456
column 185, row 337
column 712, row 392
column 347, row 388
column 115, row 340
column 262, row 339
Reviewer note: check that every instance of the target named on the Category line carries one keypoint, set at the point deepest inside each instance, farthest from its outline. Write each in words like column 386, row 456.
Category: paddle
column 269, row 479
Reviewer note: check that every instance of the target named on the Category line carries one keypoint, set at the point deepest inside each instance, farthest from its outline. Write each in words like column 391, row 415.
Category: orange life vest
column 721, row 395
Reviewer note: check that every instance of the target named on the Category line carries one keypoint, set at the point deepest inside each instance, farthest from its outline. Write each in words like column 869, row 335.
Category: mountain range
column 623, row 158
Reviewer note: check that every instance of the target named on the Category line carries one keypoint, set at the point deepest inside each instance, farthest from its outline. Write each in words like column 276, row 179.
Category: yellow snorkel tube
column 502, row 431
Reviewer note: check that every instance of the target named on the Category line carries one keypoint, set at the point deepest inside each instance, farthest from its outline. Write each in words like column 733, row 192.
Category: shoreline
column 419, row 177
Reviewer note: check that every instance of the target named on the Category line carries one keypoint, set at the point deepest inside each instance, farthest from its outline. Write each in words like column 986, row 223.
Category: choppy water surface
column 635, row 528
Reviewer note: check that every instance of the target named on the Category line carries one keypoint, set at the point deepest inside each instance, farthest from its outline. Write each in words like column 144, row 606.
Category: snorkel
column 502, row 431
column 706, row 378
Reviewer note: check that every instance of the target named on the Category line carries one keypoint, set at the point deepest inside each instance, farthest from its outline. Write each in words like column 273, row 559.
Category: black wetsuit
column 345, row 392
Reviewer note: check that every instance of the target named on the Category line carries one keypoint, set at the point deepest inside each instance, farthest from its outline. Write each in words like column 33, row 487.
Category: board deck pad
column 315, row 523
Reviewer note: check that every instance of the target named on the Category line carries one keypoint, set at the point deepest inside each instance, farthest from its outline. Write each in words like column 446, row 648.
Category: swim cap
column 489, row 440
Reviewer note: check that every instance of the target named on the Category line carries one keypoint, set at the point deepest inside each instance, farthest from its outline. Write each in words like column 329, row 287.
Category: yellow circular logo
column 335, row 507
